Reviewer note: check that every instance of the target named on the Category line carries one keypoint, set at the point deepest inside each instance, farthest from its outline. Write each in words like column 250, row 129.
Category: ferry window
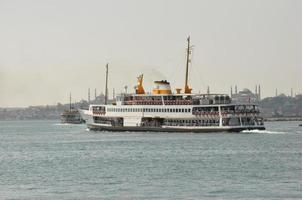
column 176, row 110
column 182, row 110
column 173, row 109
column 189, row 110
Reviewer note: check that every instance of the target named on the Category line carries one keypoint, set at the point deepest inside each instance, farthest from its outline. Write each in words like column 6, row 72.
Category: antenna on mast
column 106, row 85
column 189, row 50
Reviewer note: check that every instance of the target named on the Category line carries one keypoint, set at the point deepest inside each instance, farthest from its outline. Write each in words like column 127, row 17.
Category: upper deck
column 173, row 99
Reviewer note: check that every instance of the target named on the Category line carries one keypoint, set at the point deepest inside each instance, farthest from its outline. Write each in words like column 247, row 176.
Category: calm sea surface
column 46, row 160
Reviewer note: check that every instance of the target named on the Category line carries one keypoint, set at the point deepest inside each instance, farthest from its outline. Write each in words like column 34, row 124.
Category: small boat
column 71, row 116
column 300, row 124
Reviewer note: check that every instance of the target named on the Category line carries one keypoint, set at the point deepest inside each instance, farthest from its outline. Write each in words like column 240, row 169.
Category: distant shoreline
column 280, row 119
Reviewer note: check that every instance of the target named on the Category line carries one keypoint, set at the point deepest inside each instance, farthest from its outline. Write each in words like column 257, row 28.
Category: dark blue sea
column 46, row 160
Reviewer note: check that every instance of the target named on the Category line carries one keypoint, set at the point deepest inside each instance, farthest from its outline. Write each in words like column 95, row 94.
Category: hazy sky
column 49, row 48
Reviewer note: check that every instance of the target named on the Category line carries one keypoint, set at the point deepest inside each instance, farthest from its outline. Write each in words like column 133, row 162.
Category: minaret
column 106, row 85
column 256, row 92
column 236, row 91
column 70, row 101
column 231, row 91
column 276, row 92
column 259, row 92
column 95, row 94
column 291, row 92
column 208, row 90
column 113, row 93
column 88, row 95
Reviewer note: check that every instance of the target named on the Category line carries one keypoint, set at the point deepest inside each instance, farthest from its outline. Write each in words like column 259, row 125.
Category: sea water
column 47, row 160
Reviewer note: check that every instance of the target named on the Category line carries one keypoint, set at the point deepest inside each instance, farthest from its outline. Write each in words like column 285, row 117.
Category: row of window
column 193, row 122
column 165, row 110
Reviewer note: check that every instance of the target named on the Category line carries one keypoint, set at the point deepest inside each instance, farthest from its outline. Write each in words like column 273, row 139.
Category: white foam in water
column 59, row 124
column 262, row 131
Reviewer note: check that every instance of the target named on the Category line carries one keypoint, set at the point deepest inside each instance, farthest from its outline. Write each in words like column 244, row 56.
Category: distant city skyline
column 51, row 48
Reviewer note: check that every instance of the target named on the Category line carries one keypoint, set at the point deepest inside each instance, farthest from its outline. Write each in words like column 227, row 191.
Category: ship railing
column 159, row 102
column 141, row 102
column 240, row 113
column 98, row 112
column 178, row 102
column 205, row 113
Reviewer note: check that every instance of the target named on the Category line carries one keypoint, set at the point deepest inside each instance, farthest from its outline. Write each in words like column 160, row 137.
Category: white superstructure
column 178, row 112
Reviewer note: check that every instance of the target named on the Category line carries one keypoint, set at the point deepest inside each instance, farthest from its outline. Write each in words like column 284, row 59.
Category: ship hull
column 94, row 127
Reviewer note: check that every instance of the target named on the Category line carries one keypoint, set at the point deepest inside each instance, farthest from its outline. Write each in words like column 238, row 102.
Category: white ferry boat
column 164, row 111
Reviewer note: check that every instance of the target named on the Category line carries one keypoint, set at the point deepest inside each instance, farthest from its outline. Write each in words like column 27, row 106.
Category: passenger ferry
column 165, row 111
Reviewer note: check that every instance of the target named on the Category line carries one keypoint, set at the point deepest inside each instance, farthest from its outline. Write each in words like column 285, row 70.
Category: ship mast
column 187, row 88
column 106, row 85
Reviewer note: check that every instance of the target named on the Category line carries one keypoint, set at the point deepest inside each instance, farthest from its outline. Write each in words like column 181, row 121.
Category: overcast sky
column 49, row 48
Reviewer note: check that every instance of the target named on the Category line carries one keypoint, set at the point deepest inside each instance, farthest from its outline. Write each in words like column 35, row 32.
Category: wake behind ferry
column 164, row 111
